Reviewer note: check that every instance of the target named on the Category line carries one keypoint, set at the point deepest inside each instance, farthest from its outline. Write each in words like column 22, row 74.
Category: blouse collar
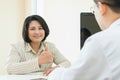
column 29, row 48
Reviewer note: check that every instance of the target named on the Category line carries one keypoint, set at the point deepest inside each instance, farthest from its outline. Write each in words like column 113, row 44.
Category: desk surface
column 31, row 76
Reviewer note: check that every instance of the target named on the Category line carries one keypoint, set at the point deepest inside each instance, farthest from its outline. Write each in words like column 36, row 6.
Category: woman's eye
column 36, row 28
column 32, row 29
column 41, row 28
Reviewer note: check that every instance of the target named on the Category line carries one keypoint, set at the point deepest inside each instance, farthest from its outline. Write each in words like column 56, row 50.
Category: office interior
column 62, row 17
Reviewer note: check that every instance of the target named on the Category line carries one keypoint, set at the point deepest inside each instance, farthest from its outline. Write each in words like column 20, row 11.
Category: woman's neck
column 35, row 46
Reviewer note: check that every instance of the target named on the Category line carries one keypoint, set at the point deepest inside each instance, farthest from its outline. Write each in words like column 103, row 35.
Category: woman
column 34, row 53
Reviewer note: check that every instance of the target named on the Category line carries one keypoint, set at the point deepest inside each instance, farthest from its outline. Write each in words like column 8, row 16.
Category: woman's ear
column 102, row 8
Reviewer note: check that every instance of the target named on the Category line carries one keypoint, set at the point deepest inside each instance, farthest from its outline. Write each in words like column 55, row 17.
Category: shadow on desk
column 31, row 76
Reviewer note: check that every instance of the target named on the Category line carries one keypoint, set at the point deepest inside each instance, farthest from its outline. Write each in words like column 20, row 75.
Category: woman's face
column 35, row 31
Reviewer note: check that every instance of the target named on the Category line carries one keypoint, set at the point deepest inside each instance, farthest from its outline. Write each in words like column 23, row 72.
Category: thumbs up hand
column 46, row 56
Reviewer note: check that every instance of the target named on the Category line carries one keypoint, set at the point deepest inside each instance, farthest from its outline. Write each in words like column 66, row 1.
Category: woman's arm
column 16, row 66
column 59, row 59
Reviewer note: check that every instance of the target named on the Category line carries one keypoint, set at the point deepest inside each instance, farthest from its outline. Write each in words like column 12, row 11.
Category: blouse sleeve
column 59, row 59
column 15, row 66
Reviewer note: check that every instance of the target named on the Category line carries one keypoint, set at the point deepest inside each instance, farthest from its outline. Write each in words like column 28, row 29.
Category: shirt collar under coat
column 29, row 48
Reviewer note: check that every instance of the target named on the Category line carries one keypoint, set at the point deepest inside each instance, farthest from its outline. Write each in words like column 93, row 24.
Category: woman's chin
column 37, row 41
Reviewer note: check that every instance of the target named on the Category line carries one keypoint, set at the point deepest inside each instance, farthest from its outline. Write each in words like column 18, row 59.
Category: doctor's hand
column 49, row 70
column 45, row 57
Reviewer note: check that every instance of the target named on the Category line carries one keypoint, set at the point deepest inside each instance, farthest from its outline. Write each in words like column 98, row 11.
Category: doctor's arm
column 91, row 65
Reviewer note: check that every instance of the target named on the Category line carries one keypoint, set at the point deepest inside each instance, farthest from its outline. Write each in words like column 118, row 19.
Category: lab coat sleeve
column 91, row 65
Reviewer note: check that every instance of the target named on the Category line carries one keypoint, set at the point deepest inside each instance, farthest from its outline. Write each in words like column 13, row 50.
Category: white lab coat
column 99, row 59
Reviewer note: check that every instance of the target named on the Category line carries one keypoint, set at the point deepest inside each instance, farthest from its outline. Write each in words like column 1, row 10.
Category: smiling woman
column 62, row 15
column 34, row 54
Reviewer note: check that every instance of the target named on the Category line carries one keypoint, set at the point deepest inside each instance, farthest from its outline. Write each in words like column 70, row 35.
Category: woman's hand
column 45, row 57
column 49, row 70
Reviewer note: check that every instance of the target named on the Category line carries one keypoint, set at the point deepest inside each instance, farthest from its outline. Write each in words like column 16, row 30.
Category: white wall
column 11, row 19
column 63, row 18
column 30, row 7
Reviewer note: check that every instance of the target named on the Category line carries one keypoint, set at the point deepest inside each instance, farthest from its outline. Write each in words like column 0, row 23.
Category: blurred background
column 62, row 17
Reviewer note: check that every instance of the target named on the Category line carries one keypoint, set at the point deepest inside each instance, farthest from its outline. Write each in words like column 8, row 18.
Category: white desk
column 31, row 76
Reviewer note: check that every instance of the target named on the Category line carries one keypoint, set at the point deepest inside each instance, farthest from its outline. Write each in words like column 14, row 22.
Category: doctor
column 100, row 55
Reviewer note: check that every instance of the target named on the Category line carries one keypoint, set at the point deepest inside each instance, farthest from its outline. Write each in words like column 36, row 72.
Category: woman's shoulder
column 19, row 43
column 50, row 44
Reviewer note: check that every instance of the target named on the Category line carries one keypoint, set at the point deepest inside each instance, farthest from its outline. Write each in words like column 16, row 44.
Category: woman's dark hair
column 113, row 4
column 27, row 23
